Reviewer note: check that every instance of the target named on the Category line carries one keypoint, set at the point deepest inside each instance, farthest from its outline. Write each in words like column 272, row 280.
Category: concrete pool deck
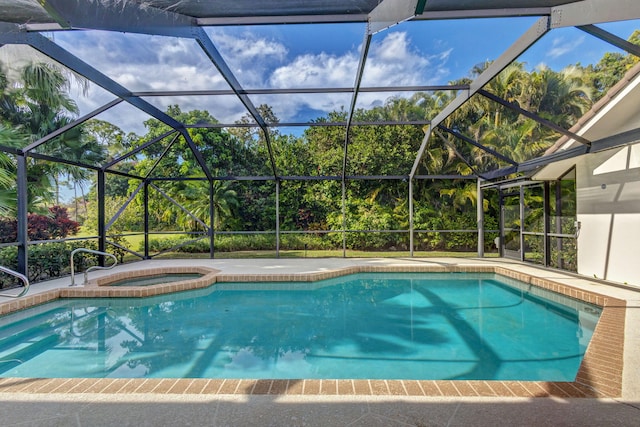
column 164, row 402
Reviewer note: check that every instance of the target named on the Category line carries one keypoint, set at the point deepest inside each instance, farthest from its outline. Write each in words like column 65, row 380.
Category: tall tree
column 611, row 68
column 37, row 104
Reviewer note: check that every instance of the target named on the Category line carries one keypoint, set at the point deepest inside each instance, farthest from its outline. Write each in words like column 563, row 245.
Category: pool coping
column 599, row 375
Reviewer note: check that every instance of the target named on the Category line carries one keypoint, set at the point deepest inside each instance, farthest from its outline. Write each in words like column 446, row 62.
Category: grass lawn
column 136, row 241
column 316, row 254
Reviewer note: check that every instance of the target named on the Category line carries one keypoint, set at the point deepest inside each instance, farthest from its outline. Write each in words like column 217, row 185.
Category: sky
column 327, row 55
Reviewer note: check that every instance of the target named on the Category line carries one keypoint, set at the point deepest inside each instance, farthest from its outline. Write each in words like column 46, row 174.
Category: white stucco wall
column 608, row 208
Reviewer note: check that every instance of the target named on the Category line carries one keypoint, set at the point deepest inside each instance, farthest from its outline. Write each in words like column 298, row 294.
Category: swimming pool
column 374, row 325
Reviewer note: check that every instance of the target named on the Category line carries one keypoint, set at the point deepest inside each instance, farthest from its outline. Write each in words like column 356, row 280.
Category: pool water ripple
column 372, row 325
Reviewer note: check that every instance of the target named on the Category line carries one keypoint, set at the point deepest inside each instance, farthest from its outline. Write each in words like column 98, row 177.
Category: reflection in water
column 365, row 326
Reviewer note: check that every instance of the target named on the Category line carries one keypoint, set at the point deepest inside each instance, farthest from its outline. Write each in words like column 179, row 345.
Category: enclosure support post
column 277, row 218
column 522, row 223
column 547, row 223
column 410, row 217
column 558, row 215
column 211, row 221
column 102, row 232
column 344, row 219
column 145, row 193
column 500, row 223
column 22, row 235
column 480, row 214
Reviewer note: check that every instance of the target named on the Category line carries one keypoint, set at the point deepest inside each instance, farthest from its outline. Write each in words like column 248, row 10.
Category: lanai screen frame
column 136, row 18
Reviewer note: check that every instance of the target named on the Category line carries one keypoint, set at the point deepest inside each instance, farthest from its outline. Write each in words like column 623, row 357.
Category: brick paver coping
column 600, row 374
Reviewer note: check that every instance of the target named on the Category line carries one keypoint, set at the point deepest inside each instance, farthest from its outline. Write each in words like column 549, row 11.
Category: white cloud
column 248, row 48
column 145, row 63
column 249, row 57
column 319, row 70
column 391, row 62
column 561, row 47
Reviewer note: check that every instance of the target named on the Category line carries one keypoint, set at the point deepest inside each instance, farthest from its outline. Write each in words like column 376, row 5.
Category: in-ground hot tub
column 153, row 281
column 156, row 279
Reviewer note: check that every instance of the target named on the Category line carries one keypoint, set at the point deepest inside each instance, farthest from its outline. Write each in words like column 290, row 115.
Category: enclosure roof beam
column 124, row 206
column 123, row 16
column 179, row 206
column 11, row 150
column 71, row 125
column 363, row 17
column 302, row 90
column 533, row 34
column 138, row 149
column 617, row 140
column 311, row 124
column 164, row 153
column 366, row 43
column 216, row 58
column 392, row 12
column 534, row 117
column 477, row 144
column 451, row 176
column 124, row 174
column 77, row 14
column 428, row 130
column 217, row 178
column 460, row 156
column 316, row 178
column 61, row 160
column 612, row 39
column 282, row 19
column 505, row 12
column 593, row 12
column 197, row 154
column 606, row 143
column 384, row 15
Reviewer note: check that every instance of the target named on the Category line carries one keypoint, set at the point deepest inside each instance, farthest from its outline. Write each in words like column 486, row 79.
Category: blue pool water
column 376, row 326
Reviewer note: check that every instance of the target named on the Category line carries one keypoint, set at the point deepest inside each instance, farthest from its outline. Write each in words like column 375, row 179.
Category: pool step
column 25, row 335
column 11, row 358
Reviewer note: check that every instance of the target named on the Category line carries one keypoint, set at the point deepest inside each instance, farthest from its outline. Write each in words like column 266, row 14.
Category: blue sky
column 412, row 53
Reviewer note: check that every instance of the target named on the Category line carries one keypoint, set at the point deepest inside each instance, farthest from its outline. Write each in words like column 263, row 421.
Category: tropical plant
column 35, row 105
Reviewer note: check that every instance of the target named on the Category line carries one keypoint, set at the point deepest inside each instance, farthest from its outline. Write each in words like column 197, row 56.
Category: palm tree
column 225, row 202
column 75, row 145
column 7, row 174
column 191, row 196
column 520, row 141
column 37, row 104
column 559, row 97
column 461, row 195
column 510, row 85
column 565, row 96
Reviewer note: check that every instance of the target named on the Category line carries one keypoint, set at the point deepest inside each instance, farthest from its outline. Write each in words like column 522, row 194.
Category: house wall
column 608, row 209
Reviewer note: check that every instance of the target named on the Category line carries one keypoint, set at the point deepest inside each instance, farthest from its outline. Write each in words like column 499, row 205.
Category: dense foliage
column 56, row 225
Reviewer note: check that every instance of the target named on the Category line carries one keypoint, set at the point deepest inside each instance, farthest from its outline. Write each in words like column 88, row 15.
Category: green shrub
column 243, row 242
column 167, row 243
column 48, row 260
